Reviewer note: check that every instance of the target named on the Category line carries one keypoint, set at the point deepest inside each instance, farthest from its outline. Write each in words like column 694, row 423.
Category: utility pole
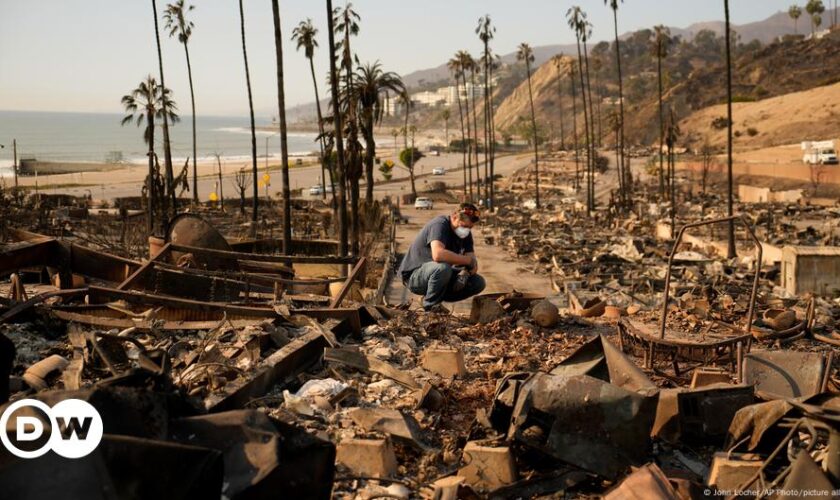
column 15, row 166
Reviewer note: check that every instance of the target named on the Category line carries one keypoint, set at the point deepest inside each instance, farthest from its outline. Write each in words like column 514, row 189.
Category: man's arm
column 441, row 254
column 474, row 268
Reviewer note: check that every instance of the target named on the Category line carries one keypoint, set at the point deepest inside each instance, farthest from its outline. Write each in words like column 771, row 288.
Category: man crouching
column 440, row 264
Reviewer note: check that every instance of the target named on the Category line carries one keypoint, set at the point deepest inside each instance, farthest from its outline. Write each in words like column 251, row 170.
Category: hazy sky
column 83, row 55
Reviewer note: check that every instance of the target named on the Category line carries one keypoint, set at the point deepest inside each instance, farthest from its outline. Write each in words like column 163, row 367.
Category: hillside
column 776, row 70
column 765, row 31
column 791, row 118
column 694, row 78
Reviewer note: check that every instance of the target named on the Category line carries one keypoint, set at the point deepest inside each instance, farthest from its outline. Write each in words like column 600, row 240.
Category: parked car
column 422, row 203
column 438, row 171
column 316, row 190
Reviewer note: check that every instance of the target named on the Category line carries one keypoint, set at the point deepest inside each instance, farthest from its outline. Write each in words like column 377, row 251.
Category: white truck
column 819, row 153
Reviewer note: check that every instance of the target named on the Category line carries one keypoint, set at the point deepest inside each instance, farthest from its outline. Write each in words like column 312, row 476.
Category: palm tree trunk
column 253, row 126
column 469, row 133
column 492, row 146
column 167, row 151
column 625, row 193
column 222, row 188
column 446, row 133
column 411, row 170
column 560, row 109
column 475, row 134
column 195, row 148
column 661, row 119
column 320, row 131
column 487, row 187
column 463, row 139
column 594, row 140
column 731, row 251
column 284, row 146
column 339, row 140
column 600, row 94
column 353, row 143
column 586, row 129
column 535, row 136
column 370, row 156
column 150, row 180
column 574, row 128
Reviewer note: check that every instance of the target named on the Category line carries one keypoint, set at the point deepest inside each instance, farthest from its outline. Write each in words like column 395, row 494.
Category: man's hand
column 473, row 267
column 441, row 254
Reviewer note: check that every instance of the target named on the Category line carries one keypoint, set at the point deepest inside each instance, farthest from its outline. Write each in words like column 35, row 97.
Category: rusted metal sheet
column 100, row 265
column 102, row 295
column 310, row 259
column 161, row 255
column 41, row 252
column 299, row 247
column 263, row 458
column 584, row 421
column 102, row 318
column 785, row 374
column 121, row 467
column 601, row 359
column 705, row 413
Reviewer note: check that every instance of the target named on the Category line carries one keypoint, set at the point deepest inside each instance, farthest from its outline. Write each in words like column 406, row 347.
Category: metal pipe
column 759, row 254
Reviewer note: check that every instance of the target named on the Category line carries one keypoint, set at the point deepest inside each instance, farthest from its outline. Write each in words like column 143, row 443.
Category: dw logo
column 75, row 428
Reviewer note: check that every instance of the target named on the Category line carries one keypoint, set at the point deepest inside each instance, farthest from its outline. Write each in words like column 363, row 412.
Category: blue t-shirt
column 420, row 251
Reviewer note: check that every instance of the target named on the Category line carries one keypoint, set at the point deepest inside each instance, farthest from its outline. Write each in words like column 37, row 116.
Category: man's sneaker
column 436, row 309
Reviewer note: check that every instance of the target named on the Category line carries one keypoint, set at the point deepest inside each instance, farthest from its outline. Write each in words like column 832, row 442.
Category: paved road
column 101, row 184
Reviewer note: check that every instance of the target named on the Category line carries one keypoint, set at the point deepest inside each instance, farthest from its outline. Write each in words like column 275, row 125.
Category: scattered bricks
column 487, row 468
column 730, row 470
column 447, row 488
column 367, row 457
column 708, row 375
column 445, row 362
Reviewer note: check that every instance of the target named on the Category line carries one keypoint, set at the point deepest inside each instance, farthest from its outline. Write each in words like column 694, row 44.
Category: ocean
column 97, row 137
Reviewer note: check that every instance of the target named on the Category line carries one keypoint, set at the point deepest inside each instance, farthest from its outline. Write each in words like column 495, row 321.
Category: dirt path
column 501, row 272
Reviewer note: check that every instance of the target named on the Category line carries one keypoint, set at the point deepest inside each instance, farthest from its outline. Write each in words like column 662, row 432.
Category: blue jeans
column 434, row 280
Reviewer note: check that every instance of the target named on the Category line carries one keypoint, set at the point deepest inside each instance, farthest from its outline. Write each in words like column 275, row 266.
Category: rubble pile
column 225, row 368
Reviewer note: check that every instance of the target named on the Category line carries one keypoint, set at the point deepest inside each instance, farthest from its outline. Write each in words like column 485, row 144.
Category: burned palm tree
column 167, row 150
column 661, row 43
column 145, row 105
column 178, row 25
column 338, row 135
column 526, row 54
column 305, row 35
column 486, row 31
column 284, row 144
column 368, row 87
column 253, row 126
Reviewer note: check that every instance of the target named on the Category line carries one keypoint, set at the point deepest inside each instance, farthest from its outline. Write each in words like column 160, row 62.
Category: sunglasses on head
column 472, row 214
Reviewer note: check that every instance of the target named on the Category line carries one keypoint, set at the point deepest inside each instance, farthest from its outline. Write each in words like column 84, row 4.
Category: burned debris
column 228, row 367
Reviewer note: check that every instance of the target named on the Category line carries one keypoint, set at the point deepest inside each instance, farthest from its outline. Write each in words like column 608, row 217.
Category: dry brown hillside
column 781, row 69
column 791, row 118
column 544, row 82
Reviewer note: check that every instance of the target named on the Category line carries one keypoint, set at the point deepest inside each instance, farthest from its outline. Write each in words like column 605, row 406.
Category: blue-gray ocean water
column 98, row 137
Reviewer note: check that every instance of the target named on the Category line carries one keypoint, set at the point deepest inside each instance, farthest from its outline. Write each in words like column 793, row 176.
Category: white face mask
column 462, row 232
